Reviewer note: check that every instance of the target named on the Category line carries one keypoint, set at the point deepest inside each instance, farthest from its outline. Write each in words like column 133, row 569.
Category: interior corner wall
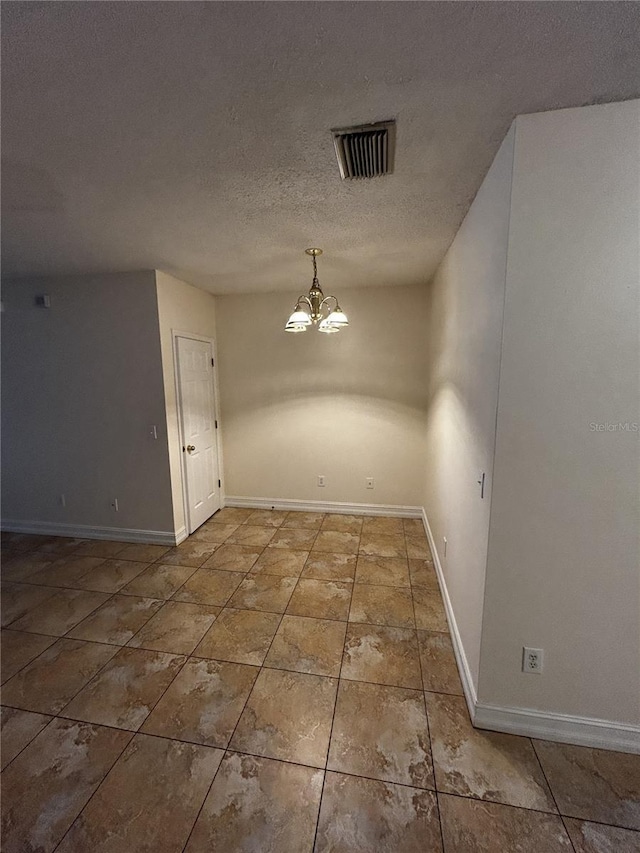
column 465, row 330
column 81, row 390
column 347, row 406
column 564, row 545
column 181, row 308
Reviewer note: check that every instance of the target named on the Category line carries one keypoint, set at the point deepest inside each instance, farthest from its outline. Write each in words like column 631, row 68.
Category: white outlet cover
column 532, row 660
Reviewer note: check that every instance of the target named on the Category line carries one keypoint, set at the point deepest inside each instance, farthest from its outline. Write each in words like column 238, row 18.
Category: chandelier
column 316, row 309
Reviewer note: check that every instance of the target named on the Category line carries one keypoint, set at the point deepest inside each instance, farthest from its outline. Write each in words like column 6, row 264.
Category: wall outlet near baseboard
column 369, row 482
column 444, row 551
column 532, row 660
column 63, row 500
column 320, row 480
column 114, row 505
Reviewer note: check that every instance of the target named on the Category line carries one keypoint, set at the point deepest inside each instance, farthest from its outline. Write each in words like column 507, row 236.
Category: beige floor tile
column 61, row 546
column 209, row 586
column 382, row 605
column 294, row 537
column 251, row 535
column 384, row 571
column 429, row 609
column 382, row 524
column 383, row 545
column 423, row 573
column 320, row 599
column 189, row 553
column 307, row 520
column 16, row 600
column 19, row 649
column 126, row 690
column 230, row 515
column 22, row 567
column 360, row 815
column 471, row 826
column 67, row 571
column 308, row 645
column 288, row 716
column 381, row 732
column 117, row 620
column 259, row 806
column 159, row 581
column 413, row 527
column 485, row 765
column 177, row 627
column 439, row 668
column 418, row 549
column 23, row 541
column 48, row 784
column 17, row 729
column 155, row 789
column 336, row 542
column 56, row 675
column 598, row 838
column 233, row 558
column 100, row 548
column 382, row 655
column 342, row 523
column 61, row 612
column 215, row 534
column 143, row 553
column 280, row 561
column 203, row 703
column 593, row 784
column 111, row 575
column 263, row 592
column 242, row 636
column 267, row 517
column 330, row 567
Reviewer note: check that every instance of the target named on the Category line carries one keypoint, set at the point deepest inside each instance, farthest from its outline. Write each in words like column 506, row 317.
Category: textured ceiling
column 194, row 137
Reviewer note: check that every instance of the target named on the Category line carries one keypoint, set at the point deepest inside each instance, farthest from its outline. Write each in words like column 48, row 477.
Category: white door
column 197, row 414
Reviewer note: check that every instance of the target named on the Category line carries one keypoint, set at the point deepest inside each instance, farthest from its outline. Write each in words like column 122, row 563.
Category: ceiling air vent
column 366, row 151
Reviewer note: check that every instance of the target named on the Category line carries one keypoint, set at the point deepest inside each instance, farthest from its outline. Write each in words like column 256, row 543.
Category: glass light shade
column 338, row 318
column 295, row 327
column 327, row 327
column 299, row 318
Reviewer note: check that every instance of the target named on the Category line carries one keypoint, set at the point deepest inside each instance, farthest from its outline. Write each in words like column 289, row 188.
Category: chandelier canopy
column 316, row 309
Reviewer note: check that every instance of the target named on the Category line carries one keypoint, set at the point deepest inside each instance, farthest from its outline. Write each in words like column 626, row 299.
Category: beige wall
column 465, row 330
column 348, row 406
column 564, row 557
column 180, row 308
column 81, row 390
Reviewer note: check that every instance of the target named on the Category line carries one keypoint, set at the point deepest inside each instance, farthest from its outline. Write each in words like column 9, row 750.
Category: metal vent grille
column 366, row 151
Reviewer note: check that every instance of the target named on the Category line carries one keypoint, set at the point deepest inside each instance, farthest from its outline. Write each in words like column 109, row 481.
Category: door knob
column 190, row 447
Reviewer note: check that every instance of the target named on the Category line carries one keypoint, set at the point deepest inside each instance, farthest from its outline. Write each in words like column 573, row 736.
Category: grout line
column 98, row 786
column 553, row 796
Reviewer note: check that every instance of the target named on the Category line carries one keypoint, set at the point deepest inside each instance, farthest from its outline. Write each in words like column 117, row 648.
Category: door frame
column 175, row 334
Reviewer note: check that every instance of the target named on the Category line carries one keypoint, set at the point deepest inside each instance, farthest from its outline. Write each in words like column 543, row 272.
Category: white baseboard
column 81, row 531
column 325, row 506
column 181, row 535
column 564, row 728
column 461, row 659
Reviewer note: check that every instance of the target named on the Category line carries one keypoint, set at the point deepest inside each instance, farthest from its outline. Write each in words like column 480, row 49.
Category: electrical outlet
column 114, row 505
column 532, row 660
column 63, row 500
column 444, row 539
column 369, row 482
column 320, row 480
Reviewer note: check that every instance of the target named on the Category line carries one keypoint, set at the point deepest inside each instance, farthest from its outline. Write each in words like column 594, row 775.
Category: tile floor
column 279, row 682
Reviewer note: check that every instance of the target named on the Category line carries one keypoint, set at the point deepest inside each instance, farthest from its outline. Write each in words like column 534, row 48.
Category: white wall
column 465, row 330
column 564, row 557
column 348, row 406
column 181, row 308
column 81, row 389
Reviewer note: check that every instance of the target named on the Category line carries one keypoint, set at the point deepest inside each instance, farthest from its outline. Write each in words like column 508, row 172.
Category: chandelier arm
column 303, row 298
column 326, row 299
